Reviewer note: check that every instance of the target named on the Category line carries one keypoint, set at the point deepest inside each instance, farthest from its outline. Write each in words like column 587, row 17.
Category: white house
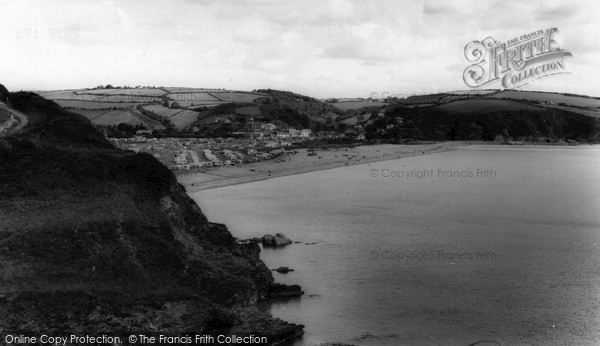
column 269, row 127
column 305, row 133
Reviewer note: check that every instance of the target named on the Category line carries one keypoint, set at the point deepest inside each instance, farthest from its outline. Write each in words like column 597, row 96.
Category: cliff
column 97, row 240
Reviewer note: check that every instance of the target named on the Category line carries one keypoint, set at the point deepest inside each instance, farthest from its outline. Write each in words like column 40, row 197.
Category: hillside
column 483, row 119
column 281, row 108
column 94, row 240
column 180, row 109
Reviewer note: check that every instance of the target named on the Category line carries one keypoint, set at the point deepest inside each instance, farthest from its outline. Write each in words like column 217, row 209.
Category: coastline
column 300, row 163
column 217, row 177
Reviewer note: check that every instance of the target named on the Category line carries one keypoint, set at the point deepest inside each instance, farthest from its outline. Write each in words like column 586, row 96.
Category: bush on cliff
column 3, row 93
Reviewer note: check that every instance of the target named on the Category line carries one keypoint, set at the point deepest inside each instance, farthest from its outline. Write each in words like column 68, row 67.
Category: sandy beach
column 301, row 162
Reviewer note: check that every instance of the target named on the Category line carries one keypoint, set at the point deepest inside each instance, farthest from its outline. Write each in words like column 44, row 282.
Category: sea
column 483, row 245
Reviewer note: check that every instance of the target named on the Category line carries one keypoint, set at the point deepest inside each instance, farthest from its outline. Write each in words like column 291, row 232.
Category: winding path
column 8, row 126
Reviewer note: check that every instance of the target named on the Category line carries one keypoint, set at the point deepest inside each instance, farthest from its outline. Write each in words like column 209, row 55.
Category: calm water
column 512, row 257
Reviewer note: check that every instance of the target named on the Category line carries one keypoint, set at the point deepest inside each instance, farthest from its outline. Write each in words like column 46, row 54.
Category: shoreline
column 300, row 163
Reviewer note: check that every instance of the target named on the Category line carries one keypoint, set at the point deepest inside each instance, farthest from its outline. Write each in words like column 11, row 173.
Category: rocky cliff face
column 93, row 239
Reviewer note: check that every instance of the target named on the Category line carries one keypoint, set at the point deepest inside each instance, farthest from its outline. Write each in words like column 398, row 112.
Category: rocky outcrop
column 284, row 291
column 95, row 239
column 278, row 240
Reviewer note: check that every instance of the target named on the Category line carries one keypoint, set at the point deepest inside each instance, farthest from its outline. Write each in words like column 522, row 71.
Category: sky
column 321, row 48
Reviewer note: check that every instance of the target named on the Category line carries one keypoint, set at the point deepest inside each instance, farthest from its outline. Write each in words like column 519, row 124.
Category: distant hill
column 218, row 112
column 185, row 108
column 484, row 117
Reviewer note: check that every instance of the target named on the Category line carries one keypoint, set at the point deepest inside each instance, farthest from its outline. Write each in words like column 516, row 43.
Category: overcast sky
column 321, row 48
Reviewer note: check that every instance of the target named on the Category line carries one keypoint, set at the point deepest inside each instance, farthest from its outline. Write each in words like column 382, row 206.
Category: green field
column 89, row 113
column 183, row 119
column 154, row 92
column 162, row 111
column 589, row 113
column 114, row 106
column 576, row 101
column 94, row 105
column 57, row 94
column 353, row 120
column 236, row 96
column 357, row 104
column 486, row 105
column 115, row 117
column 472, row 92
column 126, row 98
column 190, row 90
column 192, row 97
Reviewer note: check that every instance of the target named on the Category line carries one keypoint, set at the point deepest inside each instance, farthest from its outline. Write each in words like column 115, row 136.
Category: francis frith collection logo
column 515, row 62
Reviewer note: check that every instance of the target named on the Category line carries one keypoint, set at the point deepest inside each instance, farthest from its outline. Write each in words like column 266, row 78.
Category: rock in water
column 285, row 291
column 278, row 240
column 283, row 270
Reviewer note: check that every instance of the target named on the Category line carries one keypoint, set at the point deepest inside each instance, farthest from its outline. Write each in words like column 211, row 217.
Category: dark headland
column 95, row 240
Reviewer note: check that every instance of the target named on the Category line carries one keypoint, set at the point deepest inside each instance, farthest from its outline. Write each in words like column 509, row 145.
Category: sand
column 215, row 177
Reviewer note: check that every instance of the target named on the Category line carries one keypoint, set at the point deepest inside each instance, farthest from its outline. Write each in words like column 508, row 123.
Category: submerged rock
column 278, row 240
column 285, row 291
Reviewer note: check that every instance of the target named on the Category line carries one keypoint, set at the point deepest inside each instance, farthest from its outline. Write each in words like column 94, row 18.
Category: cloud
column 556, row 13
column 322, row 47
column 432, row 8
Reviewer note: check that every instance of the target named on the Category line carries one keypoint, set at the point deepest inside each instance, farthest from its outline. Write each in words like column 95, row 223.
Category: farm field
column 472, row 92
column 89, row 113
column 127, row 116
column 183, row 119
column 115, row 117
column 190, row 90
column 236, row 96
column 94, row 105
column 587, row 112
column 576, row 101
column 122, row 98
column 152, row 92
column 187, row 104
column 57, row 94
column 357, row 104
column 155, row 92
column 192, row 97
column 353, row 120
column 162, row 110
column 485, row 105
